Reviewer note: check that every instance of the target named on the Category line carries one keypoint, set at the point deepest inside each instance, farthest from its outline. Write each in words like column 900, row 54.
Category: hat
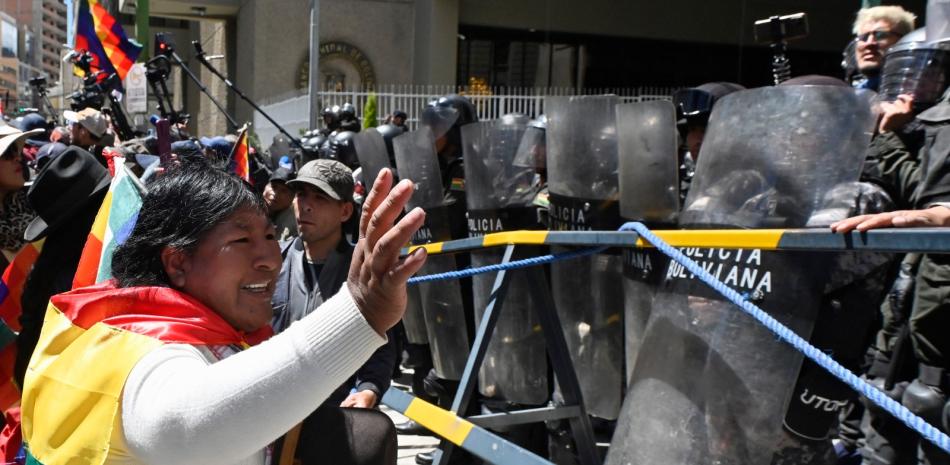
column 89, row 118
column 282, row 174
column 218, row 144
column 48, row 152
column 62, row 188
column 10, row 135
column 187, row 147
column 31, row 121
column 330, row 176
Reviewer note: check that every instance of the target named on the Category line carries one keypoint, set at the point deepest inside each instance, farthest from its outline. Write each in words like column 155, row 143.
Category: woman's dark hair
column 181, row 207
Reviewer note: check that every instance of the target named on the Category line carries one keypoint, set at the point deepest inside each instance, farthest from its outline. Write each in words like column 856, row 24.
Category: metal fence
column 291, row 110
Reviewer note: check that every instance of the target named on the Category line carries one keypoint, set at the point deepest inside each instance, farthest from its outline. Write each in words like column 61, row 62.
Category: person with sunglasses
column 15, row 210
column 876, row 29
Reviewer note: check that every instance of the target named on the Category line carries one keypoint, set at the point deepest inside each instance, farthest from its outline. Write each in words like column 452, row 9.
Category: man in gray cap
column 315, row 266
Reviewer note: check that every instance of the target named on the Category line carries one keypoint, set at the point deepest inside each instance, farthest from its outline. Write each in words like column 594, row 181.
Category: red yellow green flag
column 113, row 225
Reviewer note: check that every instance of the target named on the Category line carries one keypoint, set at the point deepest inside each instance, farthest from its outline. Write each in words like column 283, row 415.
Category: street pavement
column 409, row 445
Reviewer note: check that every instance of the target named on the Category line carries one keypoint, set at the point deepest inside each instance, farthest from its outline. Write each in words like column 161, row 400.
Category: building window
column 8, row 40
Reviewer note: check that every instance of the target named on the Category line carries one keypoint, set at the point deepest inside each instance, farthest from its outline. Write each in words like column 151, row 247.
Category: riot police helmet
column 917, row 67
column 448, row 112
column 347, row 111
column 695, row 104
column 389, row 132
column 532, row 151
column 331, row 117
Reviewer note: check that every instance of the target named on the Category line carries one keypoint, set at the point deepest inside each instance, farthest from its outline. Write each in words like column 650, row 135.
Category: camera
column 781, row 28
column 39, row 81
column 164, row 44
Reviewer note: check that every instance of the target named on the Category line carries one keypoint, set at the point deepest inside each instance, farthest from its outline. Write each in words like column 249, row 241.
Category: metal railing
column 290, row 109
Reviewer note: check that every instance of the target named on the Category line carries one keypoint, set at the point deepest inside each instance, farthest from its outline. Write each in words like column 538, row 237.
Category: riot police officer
column 331, row 119
column 693, row 107
column 348, row 119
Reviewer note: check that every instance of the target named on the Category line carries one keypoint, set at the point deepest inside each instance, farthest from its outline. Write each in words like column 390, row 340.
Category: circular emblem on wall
column 342, row 65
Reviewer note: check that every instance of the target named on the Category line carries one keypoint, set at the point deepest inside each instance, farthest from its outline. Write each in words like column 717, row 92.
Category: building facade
column 9, row 61
column 500, row 43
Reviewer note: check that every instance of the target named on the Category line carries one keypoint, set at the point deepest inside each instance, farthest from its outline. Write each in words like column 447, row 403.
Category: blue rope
column 893, row 407
column 534, row 261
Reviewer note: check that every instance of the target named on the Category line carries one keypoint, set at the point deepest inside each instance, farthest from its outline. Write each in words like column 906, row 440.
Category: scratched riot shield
column 649, row 184
column 711, row 384
column 441, row 301
column 582, row 180
column 499, row 196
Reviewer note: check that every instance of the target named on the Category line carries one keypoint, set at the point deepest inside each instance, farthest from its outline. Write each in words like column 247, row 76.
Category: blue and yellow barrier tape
column 926, row 240
column 460, row 431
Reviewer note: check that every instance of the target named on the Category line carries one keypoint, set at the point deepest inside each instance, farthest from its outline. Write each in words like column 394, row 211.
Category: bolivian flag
column 91, row 339
column 113, row 225
column 240, row 156
column 102, row 36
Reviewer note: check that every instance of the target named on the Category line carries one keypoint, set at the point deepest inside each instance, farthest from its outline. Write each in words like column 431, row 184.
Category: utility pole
column 314, row 72
column 141, row 29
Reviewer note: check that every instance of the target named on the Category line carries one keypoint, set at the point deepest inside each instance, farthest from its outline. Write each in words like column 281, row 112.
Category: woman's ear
column 175, row 262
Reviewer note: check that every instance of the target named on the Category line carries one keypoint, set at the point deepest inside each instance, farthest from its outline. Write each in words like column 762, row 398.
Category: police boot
column 561, row 448
column 442, row 390
column 420, row 360
column 926, row 397
column 888, row 440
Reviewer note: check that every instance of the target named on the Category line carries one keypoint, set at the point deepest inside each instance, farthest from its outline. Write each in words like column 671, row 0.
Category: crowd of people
column 262, row 321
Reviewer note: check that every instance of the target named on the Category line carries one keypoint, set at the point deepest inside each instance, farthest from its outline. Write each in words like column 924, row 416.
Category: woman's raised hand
column 377, row 279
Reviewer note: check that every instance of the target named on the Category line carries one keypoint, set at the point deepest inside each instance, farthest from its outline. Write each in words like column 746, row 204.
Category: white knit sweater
column 180, row 406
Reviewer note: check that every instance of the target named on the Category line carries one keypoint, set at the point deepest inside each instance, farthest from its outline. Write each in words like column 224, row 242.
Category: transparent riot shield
column 649, row 192
column 531, row 150
column 582, row 179
column 499, row 196
column 372, row 154
column 711, row 385
column 441, row 302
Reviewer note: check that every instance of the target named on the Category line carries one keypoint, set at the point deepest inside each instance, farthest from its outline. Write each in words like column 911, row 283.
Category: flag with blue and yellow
column 102, row 36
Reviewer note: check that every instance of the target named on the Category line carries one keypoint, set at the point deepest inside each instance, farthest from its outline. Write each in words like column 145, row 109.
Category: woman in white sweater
column 151, row 367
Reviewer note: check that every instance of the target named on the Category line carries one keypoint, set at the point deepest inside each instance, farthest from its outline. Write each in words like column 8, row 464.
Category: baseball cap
column 89, row 118
column 330, row 176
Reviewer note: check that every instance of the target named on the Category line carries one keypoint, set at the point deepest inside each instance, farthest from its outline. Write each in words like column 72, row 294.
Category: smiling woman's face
column 232, row 270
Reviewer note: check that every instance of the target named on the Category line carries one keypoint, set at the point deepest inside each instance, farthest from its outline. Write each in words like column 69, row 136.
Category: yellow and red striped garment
column 92, row 338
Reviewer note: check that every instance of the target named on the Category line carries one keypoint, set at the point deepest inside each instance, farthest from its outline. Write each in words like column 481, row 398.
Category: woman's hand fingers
column 386, row 253
column 376, row 195
column 382, row 219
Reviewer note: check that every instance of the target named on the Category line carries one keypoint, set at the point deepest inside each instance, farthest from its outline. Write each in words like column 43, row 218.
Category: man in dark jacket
column 316, row 264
